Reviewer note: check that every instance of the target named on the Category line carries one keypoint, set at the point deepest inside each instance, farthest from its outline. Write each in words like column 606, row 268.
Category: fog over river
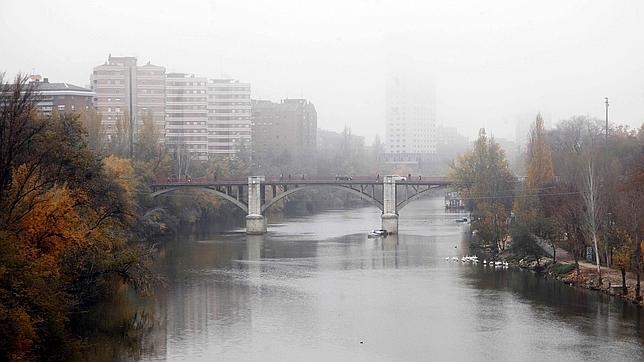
column 315, row 288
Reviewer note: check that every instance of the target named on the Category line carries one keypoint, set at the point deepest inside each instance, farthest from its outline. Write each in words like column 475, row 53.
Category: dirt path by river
column 611, row 278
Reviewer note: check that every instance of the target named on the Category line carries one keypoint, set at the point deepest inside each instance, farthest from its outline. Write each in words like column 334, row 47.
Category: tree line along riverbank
column 580, row 199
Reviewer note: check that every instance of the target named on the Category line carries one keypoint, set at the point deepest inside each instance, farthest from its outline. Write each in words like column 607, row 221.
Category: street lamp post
column 606, row 102
column 606, row 231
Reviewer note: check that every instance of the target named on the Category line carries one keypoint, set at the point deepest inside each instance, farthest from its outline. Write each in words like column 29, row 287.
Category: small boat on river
column 377, row 233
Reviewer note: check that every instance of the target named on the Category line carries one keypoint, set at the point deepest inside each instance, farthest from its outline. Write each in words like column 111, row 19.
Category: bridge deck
column 203, row 183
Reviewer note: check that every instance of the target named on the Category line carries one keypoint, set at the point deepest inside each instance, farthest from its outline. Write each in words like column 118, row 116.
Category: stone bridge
column 390, row 194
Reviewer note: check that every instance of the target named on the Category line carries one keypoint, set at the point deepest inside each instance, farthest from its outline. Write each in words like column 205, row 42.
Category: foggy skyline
column 493, row 64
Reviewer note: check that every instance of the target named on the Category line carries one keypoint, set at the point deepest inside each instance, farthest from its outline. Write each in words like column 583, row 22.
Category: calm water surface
column 316, row 288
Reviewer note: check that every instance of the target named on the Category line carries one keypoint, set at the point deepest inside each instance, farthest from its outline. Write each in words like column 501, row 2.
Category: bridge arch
column 416, row 196
column 279, row 197
column 224, row 196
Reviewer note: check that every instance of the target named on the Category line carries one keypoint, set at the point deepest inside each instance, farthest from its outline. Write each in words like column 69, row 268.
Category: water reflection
column 316, row 286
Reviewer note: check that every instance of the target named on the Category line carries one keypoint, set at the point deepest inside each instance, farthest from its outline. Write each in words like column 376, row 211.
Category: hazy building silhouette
column 186, row 114
column 410, row 116
column 150, row 94
column 410, row 121
column 229, row 113
column 284, row 132
column 120, row 85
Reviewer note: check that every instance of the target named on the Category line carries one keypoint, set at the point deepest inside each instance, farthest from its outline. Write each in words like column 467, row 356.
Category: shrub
column 562, row 268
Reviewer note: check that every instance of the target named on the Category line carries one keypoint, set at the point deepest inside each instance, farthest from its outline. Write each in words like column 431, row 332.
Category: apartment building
column 62, row 97
column 120, row 86
column 186, row 120
column 229, row 116
column 410, row 116
column 285, row 128
column 150, row 94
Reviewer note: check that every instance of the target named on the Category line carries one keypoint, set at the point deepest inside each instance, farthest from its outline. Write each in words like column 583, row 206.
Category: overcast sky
column 494, row 63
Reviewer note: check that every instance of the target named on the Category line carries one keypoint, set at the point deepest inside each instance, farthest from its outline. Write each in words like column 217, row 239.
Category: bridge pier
column 255, row 221
column 389, row 213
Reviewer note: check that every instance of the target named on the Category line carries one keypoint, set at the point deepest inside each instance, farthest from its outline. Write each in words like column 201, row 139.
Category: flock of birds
column 475, row 260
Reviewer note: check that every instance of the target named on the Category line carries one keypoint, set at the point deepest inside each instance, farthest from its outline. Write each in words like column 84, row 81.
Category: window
column 61, row 107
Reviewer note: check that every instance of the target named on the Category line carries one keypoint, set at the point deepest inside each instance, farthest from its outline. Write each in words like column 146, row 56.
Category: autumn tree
column 65, row 224
column 622, row 257
column 119, row 140
column 92, row 122
column 20, row 124
column 573, row 144
column 630, row 198
column 483, row 178
column 528, row 206
column 148, row 146
column 562, row 206
column 482, row 175
column 540, row 169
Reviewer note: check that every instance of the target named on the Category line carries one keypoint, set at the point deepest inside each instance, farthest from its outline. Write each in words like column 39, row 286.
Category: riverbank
column 564, row 270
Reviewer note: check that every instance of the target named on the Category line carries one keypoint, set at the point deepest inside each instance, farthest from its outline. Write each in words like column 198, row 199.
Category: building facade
column 121, row 86
column 150, row 94
column 186, row 117
column 62, row 97
column 170, row 100
column 229, row 116
column 410, row 116
column 284, row 132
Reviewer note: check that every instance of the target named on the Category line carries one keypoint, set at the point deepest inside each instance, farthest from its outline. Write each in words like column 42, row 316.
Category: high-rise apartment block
column 121, row 86
column 288, row 127
column 410, row 116
column 187, row 114
column 229, row 113
column 203, row 117
column 150, row 94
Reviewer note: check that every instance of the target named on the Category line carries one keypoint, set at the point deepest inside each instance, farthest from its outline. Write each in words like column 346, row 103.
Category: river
column 315, row 288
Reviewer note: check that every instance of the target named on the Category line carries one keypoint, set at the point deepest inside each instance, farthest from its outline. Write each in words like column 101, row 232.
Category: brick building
column 63, row 97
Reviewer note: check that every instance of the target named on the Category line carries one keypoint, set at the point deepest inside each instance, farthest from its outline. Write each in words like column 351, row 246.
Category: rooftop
column 46, row 86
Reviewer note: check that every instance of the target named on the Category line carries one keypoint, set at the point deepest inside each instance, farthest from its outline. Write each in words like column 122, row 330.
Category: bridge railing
column 205, row 180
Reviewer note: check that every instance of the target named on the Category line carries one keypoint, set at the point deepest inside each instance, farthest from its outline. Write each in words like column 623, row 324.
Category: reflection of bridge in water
column 389, row 194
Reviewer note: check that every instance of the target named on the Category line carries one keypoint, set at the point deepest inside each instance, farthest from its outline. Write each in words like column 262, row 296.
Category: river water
column 315, row 288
